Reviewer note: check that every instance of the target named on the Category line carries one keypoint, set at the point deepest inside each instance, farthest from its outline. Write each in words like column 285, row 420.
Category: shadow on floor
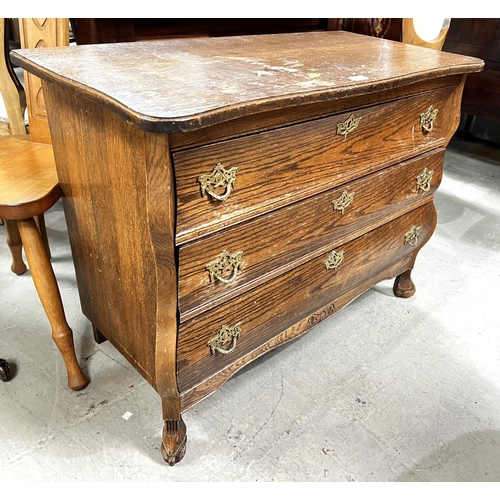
column 472, row 457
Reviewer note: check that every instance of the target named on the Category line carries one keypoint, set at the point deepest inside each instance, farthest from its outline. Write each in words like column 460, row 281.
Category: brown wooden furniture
column 13, row 97
column 37, row 33
column 261, row 184
column 29, row 187
column 479, row 38
column 33, row 33
column 12, row 92
column 112, row 30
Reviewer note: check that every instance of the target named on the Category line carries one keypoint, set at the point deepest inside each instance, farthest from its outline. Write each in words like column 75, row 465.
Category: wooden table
column 225, row 195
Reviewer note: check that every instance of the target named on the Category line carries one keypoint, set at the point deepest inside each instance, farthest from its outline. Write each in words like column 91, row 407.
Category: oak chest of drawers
column 223, row 196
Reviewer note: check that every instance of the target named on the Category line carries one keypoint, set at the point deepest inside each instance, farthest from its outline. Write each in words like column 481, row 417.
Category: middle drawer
column 229, row 262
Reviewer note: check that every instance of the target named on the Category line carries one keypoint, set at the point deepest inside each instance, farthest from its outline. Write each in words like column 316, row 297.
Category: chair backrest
column 34, row 33
column 425, row 32
column 11, row 89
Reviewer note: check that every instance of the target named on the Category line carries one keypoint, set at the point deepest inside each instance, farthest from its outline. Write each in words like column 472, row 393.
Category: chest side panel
column 101, row 163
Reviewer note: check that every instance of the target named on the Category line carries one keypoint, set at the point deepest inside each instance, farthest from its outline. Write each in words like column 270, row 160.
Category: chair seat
column 28, row 178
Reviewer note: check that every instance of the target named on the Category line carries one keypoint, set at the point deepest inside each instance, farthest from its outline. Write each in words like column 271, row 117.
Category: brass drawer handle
column 218, row 178
column 428, row 118
column 334, row 260
column 412, row 235
column 226, row 334
column 348, row 126
column 343, row 202
column 225, row 263
column 424, row 180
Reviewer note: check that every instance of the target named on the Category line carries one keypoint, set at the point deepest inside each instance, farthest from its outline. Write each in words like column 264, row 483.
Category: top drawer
column 224, row 183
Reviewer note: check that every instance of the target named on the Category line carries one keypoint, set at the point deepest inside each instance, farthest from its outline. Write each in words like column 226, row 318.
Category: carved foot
column 403, row 285
column 4, row 370
column 173, row 446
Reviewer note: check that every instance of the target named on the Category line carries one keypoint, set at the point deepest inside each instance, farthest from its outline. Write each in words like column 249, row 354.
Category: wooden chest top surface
column 185, row 84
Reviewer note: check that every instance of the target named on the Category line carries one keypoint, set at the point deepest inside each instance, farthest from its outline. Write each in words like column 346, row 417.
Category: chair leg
column 48, row 291
column 16, row 247
column 40, row 222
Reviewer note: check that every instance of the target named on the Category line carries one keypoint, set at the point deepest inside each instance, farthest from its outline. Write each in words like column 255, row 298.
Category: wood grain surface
column 104, row 184
column 295, row 114
column 21, row 160
column 281, row 302
column 198, row 392
column 271, row 173
column 282, row 239
column 186, row 84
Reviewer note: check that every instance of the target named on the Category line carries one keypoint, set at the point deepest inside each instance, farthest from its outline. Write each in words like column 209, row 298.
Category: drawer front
column 213, row 341
column 224, row 183
column 266, row 246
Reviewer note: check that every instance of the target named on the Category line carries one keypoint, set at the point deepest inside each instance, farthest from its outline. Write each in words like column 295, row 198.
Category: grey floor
column 387, row 390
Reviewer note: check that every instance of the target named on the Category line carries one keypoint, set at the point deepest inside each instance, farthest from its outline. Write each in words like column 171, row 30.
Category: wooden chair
column 14, row 101
column 29, row 187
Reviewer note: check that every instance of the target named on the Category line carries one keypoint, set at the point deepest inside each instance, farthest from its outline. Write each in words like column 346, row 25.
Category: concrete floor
column 387, row 390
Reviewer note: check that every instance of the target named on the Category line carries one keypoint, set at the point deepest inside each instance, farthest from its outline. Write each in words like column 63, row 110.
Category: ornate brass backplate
column 218, row 178
column 334, row 260
column 428, row 118
column 343, row 202
column 227, row 334
column 424, row 180
column 412, row 235
column 225, row 264
column 348, row 126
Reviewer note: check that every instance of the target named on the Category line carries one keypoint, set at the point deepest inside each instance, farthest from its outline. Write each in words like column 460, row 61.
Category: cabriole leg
column 173, row 446
column 403, row 285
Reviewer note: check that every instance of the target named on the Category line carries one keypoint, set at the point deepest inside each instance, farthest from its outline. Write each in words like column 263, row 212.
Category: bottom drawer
column 213, row 341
